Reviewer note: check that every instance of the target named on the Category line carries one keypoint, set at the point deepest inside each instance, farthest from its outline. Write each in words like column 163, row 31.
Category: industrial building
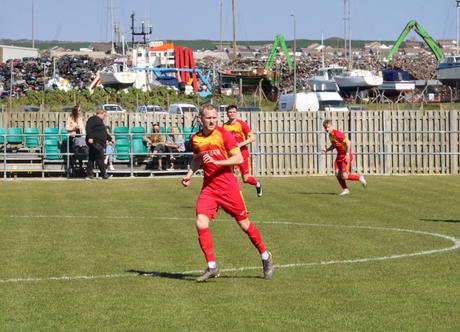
column 8, row 52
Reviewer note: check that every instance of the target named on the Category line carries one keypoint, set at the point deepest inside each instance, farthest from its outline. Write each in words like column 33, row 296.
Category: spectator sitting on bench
column 174, row 143
column 156, row 144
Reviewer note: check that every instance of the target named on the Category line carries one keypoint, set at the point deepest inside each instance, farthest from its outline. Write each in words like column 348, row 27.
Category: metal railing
column 20, row 157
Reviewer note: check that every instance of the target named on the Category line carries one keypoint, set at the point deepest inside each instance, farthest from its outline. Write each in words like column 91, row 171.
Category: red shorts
column 232, row 203
column 341, row 166
column 245, row 166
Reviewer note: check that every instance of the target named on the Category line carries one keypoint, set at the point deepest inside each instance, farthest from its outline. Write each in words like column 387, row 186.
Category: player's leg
column 245, row 170
column 339, row 176
column 206, row 209
column 233, row 204
column 351, row 176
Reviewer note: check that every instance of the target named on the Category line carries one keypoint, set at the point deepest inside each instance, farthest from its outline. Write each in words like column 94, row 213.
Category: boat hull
column 251, row 81
column 449, row 74
column 317, row 84
column 358, row 80
column 120, row 80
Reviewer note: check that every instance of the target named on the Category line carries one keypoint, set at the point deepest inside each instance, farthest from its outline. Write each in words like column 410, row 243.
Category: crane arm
column 432, row 44
column 279, row 40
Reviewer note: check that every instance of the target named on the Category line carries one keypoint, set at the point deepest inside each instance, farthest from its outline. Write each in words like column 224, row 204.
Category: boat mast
column 347, row 30
column 234, row 30
column 458, row 23
column 112, row 42
column 322, row 49
column 349, row 35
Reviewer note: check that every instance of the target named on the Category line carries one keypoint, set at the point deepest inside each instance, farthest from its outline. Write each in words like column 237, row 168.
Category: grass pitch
column 122, row 255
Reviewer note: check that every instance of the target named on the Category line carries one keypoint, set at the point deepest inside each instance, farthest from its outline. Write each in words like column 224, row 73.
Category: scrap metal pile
column 33, row 73
column 421, row 67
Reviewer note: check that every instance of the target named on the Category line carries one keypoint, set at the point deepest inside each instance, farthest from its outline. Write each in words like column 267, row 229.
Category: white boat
column 448, row 71
column 323, row 78
column 117, row 76
column 358, row 79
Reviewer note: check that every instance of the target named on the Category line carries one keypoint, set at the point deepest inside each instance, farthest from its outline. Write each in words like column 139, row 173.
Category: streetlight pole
column 295, row 65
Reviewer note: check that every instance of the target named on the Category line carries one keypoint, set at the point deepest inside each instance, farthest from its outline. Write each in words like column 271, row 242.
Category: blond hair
column 206, row 107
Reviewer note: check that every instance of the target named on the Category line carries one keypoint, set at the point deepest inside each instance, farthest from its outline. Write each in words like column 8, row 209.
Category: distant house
column 413, row 51
column 376, row 49
column 411, row 44
column 447, row 43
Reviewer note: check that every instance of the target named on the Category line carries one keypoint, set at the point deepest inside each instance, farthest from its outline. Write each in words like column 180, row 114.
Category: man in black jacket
column 96, row 138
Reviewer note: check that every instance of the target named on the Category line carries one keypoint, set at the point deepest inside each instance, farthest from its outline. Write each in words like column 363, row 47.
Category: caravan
column 311, row 102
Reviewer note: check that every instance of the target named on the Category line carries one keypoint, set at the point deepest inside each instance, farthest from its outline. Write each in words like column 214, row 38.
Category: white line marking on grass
column 456, row 245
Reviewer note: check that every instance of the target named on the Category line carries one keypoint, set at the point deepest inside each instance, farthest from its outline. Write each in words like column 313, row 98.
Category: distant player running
column 217, row 151
column 243, row 136
column 344, row 157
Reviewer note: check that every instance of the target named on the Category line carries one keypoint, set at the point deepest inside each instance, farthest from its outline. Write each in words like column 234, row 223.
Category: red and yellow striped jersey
column 220, row 145
column 339, row 140
column 240, row 130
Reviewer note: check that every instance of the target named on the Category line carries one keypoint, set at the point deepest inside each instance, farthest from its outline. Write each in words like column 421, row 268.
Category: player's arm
column 250, row 139
column 194, row 166
column 347, row 148
column 235, row 158
column 329, row 148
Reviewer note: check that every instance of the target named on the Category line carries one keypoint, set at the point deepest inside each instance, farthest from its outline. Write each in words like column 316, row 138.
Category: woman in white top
column 75, row 128
column 74, row 123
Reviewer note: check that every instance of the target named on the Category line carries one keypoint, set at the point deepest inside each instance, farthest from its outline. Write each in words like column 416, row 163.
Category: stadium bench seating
column 2, row 136
column 51, row 143
column 122, row 148
column 138, row 145
column 15, row 136
column 32, row 138
column 121, row 133
column 188, row 132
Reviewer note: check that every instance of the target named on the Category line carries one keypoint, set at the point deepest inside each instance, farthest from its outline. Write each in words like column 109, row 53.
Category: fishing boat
column 250, row 80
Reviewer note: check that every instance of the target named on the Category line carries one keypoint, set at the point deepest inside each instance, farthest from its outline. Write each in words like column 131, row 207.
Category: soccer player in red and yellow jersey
column 217, row 152
column 243, row 136
column 344, row 158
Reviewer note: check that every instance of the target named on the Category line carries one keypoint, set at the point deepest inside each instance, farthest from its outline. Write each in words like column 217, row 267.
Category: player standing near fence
column 344, row 157
column 243, row 136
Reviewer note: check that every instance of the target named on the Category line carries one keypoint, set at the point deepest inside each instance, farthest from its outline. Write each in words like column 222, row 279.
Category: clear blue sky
column 87, row 20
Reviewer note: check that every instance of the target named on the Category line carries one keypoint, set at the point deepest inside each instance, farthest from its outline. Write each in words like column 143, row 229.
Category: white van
column 182, row 108
column 311, row 102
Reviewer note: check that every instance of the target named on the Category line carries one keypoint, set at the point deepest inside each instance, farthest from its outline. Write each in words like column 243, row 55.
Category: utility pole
column 11, row 86
column 33, row 23
column 221, row 33
column 295, row 66
column 234, row 29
